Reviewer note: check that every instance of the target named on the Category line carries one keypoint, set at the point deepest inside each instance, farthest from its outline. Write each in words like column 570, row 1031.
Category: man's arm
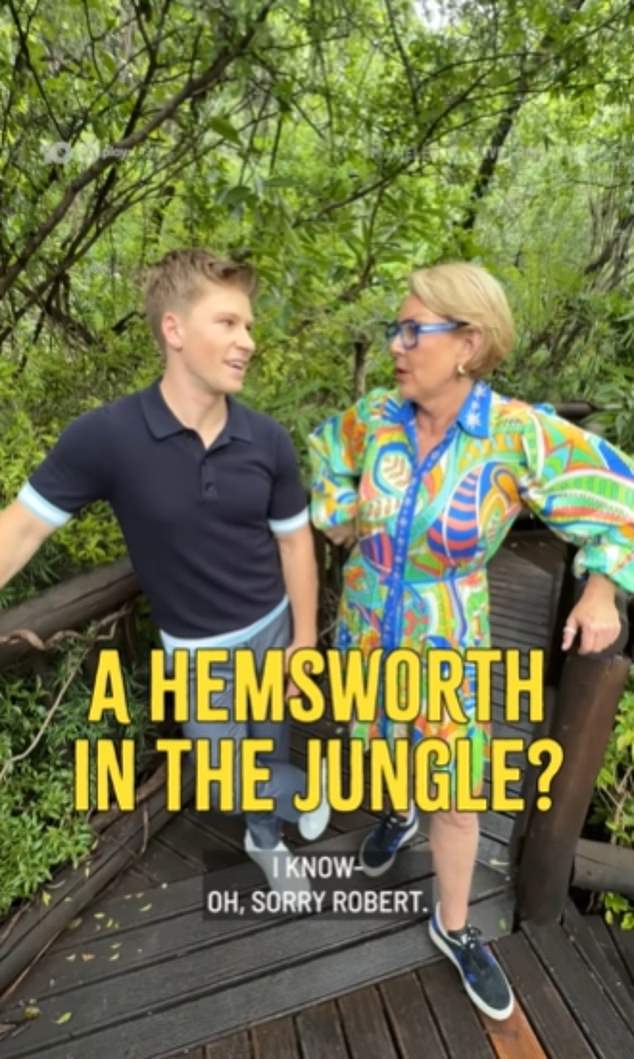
column 299, row 570
column 21, row 534
column 72, row 474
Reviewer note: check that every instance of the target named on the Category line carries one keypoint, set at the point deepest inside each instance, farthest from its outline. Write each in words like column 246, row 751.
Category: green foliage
column 39, row 828
column 614, row 798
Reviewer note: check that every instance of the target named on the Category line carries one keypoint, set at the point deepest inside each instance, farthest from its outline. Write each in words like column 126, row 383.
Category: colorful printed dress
column 426, row 529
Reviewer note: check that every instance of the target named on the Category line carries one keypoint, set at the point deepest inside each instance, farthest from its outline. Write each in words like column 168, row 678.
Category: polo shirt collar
column 163, row 423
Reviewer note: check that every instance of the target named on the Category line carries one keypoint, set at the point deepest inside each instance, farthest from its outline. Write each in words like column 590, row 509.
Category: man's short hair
column 180, row 278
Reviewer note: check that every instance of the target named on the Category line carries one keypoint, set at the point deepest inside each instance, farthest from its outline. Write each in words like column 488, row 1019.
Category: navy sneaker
column 379, row 848
column 482, row 977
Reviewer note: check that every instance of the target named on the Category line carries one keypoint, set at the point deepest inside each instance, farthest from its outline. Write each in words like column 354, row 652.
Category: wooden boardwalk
column 575, row 990
column 142, row 974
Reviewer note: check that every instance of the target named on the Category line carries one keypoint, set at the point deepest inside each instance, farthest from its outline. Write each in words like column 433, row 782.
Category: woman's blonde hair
column 463, row 291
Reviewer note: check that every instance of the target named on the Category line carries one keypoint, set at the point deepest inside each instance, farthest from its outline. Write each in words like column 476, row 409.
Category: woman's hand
column 595, row 617
column 345, row 534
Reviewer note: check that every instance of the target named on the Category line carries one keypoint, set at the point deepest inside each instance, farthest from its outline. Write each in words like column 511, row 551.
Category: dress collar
column 473, row 416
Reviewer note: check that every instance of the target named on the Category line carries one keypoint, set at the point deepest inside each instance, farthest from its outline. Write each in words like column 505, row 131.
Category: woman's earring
column 461, row 370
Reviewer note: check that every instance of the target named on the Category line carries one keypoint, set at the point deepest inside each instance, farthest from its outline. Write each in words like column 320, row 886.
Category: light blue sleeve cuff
column 32, row 500
column 281, row 526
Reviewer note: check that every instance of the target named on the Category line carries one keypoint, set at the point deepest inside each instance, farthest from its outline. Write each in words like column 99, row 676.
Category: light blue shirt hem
column 224, row 639
column 41, row 507
column 288, row 525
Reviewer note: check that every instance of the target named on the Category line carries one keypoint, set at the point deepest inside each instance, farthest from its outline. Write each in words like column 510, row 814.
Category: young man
column 211, row 505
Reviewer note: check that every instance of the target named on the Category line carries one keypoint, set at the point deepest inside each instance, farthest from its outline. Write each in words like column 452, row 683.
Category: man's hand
column 595, row 617
column 299, row 569
column 345, row 534
column 291, row 687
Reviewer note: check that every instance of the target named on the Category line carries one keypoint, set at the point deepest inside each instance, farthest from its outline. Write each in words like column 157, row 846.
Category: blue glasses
column 409, row 330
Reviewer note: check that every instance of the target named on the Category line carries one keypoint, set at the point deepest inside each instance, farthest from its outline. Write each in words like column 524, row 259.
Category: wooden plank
column 185, row 935
column 523, row 629
column 549, row 1015
column 197, row 1020
column 221, row 829
column 183, row 896
column 509, row 632
column 410, row 1017
column 129, row 991
column 141, row 955
column 621, row 993
column 165, row 866
column 76, row 887
column 365, row 1025
column 65, row 971
column 174, row 900
column 153, row 925
column 624, row 941
column 514, row 1037
column 319, row 1032
column 600, row 931
column 129, row 881
column 459, row 1025
column 591, row 1005
column 275, row 1039
column 198, row 848
column 235, row 1047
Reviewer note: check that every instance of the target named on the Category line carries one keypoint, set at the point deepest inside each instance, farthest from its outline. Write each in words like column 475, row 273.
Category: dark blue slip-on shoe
column 379, row 848
column 482, row 977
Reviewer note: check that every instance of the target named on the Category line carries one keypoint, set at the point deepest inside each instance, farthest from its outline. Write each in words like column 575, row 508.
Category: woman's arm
column 336, row 451
column 583, row 489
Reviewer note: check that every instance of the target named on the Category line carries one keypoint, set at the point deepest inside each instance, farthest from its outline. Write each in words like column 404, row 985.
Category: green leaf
column 225, row 129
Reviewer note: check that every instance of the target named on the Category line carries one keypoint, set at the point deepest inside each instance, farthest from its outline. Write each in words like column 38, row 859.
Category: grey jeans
column 286, row 779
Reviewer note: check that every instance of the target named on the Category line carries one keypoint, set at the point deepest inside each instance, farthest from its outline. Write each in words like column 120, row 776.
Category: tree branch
column 193, row 87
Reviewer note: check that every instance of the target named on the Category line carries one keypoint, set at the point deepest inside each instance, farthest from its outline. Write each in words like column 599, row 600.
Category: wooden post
column 587, row 700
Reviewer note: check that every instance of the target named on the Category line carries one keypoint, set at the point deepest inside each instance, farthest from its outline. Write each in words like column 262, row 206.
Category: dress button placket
column 403, row 529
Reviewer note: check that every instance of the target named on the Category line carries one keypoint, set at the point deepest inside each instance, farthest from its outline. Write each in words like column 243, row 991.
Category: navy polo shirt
column 199, row 524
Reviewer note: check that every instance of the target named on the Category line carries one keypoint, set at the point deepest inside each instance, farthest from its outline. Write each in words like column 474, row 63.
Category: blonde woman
column 425, row 480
